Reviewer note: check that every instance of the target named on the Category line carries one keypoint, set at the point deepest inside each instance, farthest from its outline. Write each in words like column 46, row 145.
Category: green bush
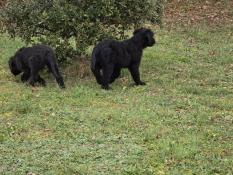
column 71, row 26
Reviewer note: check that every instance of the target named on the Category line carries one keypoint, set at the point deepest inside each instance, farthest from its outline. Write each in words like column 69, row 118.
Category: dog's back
column 36, row 50
column 110, row 51
column 39, row 52
column 100, row 51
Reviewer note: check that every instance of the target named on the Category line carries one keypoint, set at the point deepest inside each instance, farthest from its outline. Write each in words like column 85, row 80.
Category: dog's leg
column 33, row 77
column 107, row 73
column 52, row 66
column 116, row 73
column 25, row 76
column 33, row 72
column 134, row 70
column 97, row 74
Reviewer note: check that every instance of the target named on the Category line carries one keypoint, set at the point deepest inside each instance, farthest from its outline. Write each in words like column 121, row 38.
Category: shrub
column 71, row 26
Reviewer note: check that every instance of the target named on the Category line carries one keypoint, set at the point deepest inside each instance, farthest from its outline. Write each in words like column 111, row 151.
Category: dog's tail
column 53, row 67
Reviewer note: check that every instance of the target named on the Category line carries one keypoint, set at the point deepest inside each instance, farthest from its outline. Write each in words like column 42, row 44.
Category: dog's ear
column 11, row 62
column 13, row 66
column 137, row 31
column 21, row 49
column 149, row 39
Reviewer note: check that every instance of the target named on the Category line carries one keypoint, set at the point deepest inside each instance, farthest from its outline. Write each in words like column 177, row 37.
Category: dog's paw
column 31, row 82
column 62, row 86
column 99, row 82
column 106, row 87
column 140, row 83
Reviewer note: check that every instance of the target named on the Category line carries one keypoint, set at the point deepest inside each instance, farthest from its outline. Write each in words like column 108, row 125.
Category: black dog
column 30, row 60
column 110, row 56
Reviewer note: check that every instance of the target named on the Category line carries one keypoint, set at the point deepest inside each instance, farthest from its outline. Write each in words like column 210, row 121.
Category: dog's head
column 13, row 66
column 146, row 35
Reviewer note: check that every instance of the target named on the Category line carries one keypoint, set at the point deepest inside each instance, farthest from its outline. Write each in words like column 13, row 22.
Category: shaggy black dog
column 30, row 60
column 110, row 56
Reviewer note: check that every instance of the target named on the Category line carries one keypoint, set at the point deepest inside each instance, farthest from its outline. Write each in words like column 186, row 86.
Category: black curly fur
column 110, row 56
column 30, row 60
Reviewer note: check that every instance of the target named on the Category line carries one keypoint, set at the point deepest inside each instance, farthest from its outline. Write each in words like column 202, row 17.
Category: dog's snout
column 153, row 42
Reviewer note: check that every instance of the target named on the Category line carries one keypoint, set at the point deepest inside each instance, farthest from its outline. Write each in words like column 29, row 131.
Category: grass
column 180, row 123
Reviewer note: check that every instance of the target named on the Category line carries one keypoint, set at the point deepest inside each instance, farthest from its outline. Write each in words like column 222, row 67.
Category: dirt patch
column 79, row 68
column 2, row 2
column 186, row 13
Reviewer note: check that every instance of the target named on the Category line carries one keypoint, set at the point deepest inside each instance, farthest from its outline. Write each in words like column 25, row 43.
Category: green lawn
column 180, row 123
